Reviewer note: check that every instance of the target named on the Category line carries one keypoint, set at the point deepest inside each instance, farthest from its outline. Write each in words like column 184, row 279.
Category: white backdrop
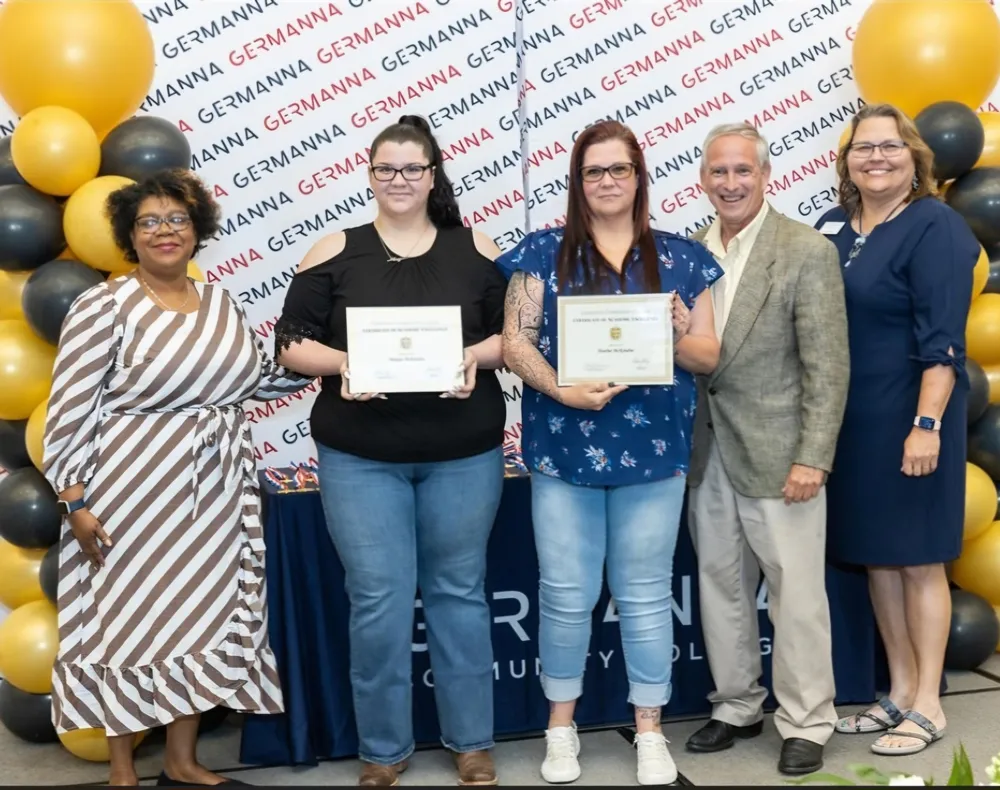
column 280, row 100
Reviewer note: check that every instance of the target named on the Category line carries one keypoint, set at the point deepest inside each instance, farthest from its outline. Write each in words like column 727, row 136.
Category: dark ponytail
column 442, row 208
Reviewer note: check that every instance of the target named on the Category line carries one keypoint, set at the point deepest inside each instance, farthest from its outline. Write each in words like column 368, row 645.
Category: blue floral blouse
column 644, row 433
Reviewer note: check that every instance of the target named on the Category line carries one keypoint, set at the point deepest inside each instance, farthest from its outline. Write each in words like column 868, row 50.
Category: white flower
column 907, row 780
column 993, row 770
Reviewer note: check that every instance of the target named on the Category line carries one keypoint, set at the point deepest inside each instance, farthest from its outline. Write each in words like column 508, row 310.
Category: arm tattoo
column 522, row 325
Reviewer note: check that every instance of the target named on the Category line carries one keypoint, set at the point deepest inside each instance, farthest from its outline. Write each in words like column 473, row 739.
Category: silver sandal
column 924, row 739
column 876, row 724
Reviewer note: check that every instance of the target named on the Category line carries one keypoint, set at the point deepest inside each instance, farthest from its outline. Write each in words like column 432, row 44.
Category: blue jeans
column 394, row 526
column 634, row 530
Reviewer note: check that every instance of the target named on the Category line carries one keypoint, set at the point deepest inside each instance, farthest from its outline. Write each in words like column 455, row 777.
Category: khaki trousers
column 735, row 537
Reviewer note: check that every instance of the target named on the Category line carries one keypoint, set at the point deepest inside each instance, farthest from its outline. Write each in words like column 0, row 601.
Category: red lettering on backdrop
column 184, row 126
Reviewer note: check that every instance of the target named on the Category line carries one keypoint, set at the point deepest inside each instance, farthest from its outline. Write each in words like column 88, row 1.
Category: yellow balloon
column 34, row 433
column 194, row 272
column 25, row 370
column 980, row 501
column 11, row 286
column 92, row 744
column 978, row 569
column 88, row 229
column 990, row 157
column 913, row 53
column 982, row 329
column 993, row 377
column 981, row 273
column 29, row 641
column 19, row 583
column 55, row 150
column 95, row 57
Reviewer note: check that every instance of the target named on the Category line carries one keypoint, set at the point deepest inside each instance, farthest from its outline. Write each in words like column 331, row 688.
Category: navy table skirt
column 308, row 615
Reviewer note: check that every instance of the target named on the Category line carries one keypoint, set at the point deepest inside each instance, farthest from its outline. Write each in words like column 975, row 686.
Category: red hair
column 578, row 236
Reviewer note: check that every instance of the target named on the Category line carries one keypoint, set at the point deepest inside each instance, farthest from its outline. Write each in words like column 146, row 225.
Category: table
column 308, row 614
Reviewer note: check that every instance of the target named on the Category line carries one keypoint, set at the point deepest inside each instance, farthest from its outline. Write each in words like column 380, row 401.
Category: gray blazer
column 778, row 395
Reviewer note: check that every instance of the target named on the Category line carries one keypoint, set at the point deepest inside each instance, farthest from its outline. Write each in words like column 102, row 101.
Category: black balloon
column 13, row 448
column 979, row 391
column 31, row 228
column 49, row 292
column 143, row 145
column 29, row 516
column 975, row 631
column 984, row 442
column 8, row 171
column 955, row 135
column 48, row 573
column 28, row 716
column 976, row 196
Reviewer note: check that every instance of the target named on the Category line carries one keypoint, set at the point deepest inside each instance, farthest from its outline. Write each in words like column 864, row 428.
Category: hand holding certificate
column 620, row 339
column 405, row 349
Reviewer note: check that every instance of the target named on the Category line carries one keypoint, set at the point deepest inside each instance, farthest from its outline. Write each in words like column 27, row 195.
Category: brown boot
column 381, row 775
column 475, row 768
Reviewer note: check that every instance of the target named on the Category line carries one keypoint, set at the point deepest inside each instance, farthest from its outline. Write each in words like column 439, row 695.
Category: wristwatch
column 927, row 423
column 65, row 508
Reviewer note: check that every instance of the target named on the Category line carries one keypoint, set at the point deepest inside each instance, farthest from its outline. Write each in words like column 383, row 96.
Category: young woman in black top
column 410, row 482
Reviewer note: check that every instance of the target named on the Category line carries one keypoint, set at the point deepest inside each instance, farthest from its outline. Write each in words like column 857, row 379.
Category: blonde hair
column 923, row 157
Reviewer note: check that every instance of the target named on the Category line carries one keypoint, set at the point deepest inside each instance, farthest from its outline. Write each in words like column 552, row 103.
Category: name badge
column 831, row 228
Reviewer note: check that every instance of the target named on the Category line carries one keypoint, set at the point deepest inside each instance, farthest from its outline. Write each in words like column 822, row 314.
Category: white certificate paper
column 404, row 349
column 621, row 339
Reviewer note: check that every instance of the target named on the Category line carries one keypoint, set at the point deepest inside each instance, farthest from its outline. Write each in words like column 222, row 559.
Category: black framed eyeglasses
column 619, row 171
column 409, row 172
column 151, row 224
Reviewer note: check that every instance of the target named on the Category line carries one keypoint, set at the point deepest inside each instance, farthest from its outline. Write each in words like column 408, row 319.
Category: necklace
column 156, row 296
column 390, row 258
column 859, row 242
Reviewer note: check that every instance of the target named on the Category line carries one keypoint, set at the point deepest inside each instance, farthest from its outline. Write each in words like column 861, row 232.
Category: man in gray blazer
column 764, row 440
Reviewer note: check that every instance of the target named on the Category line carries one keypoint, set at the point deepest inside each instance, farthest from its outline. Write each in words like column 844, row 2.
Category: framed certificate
column 405, row 349
column 620, row 339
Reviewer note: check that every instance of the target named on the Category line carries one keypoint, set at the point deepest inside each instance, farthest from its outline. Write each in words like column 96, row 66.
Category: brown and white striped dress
column 146, row 412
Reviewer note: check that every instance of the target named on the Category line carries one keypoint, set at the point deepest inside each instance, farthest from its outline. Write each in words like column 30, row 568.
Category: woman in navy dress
column 897, row 491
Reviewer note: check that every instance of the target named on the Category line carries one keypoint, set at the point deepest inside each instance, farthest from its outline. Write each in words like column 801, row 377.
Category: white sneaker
column 562, row 747
column 656, row 766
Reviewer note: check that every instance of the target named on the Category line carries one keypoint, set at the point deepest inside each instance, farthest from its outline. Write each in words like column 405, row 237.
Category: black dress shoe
column 717, row 735
column 799, row 756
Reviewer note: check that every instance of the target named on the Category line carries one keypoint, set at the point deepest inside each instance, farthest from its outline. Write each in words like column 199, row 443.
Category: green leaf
column 961, row 770
column 869, row 775
column 829, row 779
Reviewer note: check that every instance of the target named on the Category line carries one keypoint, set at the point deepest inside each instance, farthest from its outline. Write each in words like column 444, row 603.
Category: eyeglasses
column 175, row 222
column 890, row 149
column 618, row 171
column 409, row 172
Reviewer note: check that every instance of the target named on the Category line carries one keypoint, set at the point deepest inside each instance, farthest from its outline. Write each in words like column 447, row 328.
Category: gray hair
column 745, row 130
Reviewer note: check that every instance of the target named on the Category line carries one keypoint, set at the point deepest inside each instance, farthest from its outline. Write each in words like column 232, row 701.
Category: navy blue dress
column 908, row 294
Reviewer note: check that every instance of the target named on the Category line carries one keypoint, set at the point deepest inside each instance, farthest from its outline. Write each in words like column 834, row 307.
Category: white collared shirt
column 733, row 261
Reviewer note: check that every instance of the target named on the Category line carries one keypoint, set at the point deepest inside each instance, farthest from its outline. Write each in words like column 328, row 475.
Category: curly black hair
column 180, row 185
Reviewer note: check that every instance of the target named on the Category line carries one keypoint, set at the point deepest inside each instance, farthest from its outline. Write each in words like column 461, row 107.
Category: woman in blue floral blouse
column 609, row 463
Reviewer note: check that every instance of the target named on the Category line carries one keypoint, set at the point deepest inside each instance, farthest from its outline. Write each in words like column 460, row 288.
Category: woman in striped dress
column 162, row 610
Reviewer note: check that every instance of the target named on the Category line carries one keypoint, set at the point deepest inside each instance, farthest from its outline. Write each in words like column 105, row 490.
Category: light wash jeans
column 633, row 529
column 394, row 526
